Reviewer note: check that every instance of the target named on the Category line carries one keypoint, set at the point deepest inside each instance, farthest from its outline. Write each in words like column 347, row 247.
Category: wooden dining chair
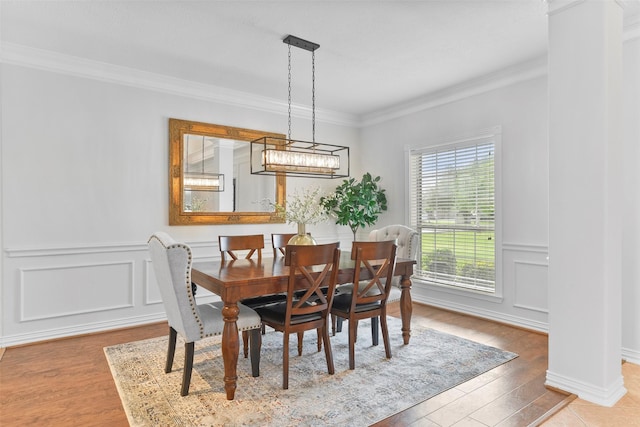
column 366, row 297
column 279, row 243
column 172, row 266
column 310, row 269
column 252, row 243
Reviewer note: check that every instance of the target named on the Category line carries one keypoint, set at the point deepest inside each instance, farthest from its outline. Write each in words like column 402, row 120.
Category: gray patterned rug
column 432, row 363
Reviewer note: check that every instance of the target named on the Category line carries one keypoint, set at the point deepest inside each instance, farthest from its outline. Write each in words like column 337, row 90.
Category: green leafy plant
column 356, row 203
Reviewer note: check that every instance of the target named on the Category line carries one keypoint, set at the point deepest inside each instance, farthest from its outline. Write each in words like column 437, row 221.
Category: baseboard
column 28, row 338
column 631, row 356
column 594, row 394
column 479, row 312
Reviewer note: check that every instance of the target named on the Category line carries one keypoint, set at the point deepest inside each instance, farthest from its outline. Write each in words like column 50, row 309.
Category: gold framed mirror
column 210, row 180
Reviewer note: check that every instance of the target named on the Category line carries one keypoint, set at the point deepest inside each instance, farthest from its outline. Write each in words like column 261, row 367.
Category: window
column 452, row 205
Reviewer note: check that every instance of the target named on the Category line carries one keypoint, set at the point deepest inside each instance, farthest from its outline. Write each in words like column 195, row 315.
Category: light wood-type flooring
column 67, row 382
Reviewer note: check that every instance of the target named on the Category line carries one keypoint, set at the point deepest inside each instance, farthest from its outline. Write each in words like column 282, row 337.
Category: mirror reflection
column 211, row 180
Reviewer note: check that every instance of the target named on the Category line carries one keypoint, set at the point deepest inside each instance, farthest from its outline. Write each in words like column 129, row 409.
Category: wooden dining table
column 236, row 280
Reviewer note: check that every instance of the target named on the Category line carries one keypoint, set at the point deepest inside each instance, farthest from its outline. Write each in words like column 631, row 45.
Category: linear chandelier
column 272, row 155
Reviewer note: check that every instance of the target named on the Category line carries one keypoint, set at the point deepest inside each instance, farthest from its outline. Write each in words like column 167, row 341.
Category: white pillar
column 585, row 189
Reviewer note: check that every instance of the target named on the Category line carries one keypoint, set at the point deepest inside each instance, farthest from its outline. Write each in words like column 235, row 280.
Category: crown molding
column 507, row 77
column 25, row 56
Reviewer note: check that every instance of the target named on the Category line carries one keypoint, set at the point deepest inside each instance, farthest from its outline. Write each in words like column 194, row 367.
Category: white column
column 585, row 203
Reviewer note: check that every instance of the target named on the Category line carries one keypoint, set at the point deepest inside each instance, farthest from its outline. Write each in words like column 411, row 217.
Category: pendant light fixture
column 272, row 155
column 201, row 180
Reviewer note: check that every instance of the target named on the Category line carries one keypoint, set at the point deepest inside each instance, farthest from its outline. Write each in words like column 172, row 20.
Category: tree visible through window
column 452, row 191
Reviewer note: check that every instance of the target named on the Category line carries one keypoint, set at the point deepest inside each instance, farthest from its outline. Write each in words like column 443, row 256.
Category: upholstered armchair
column 172, row 266
column 407, row 240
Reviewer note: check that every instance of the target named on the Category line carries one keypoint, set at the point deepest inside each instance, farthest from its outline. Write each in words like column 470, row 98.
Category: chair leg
column 327, row 349
column 385, row 335
column 285, row 361
column 338, row 328
column 320, row 340
column 353, row 326
column 245, row 343
column 188, row 367
column 300, row 339
column 255, row 337
column 171, row 351
column 374, row 331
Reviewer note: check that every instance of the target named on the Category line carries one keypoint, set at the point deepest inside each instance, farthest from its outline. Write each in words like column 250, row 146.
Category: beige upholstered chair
column 406, row 238
column 172, row 265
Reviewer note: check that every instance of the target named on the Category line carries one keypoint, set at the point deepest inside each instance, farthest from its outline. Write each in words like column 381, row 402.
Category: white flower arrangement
column 303, row 207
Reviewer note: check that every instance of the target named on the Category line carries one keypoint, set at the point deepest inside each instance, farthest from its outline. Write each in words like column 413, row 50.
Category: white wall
column 521, row 111
column 631, row 205
column 85, row 183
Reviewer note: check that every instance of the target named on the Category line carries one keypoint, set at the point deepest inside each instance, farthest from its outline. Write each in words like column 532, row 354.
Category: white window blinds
column 452, row 203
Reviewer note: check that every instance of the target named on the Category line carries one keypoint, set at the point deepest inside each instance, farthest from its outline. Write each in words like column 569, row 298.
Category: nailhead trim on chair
column 192, row 302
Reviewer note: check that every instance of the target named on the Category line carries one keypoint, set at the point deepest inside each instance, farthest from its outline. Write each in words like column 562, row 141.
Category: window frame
column 469, row 139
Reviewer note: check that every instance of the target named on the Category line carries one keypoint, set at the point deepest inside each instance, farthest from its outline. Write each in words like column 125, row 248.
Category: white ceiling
column 372, row 55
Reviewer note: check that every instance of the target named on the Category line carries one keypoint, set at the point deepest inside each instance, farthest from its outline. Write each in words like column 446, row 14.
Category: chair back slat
column 279, row 242
column 311, row 268
column 373, row 273
column 252, row 243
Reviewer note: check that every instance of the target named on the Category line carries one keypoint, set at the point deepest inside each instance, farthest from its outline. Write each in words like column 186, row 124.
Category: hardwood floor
column 67, row 382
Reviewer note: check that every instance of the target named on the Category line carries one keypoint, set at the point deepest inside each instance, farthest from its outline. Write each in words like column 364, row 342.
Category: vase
column 302, row 238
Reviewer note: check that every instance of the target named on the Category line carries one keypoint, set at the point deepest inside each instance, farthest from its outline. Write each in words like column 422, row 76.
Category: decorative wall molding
column 421, row 296
column 557, row 6
column 530, row 289
column 75, row 250
column 51, row 292
column 524, row 247
column 96, row 249
column 631, row 356
column 25, row 56
column 507, row 77
column 61, row 332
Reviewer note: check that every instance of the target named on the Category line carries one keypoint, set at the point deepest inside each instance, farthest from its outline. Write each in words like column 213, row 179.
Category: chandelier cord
column 313, row 96
column 289, row 93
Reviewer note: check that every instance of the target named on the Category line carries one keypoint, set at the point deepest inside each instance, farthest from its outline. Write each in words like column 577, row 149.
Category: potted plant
column 356, row 203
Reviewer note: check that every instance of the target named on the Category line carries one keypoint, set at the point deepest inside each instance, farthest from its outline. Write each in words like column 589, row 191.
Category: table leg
column 230, row 348
column 405, row 307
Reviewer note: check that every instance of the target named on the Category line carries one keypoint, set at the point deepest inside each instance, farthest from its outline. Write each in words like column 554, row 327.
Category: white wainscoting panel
column 530, row 285
column 151, row 291
column 48, row 292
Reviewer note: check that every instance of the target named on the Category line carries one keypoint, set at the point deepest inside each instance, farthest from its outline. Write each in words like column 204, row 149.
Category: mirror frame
column 177, row 129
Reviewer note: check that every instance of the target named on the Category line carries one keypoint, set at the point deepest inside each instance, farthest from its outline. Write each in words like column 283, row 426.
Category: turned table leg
column 230, row 348
column 406, row 307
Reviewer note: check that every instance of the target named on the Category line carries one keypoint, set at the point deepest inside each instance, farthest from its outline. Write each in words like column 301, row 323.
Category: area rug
column 432, row 363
